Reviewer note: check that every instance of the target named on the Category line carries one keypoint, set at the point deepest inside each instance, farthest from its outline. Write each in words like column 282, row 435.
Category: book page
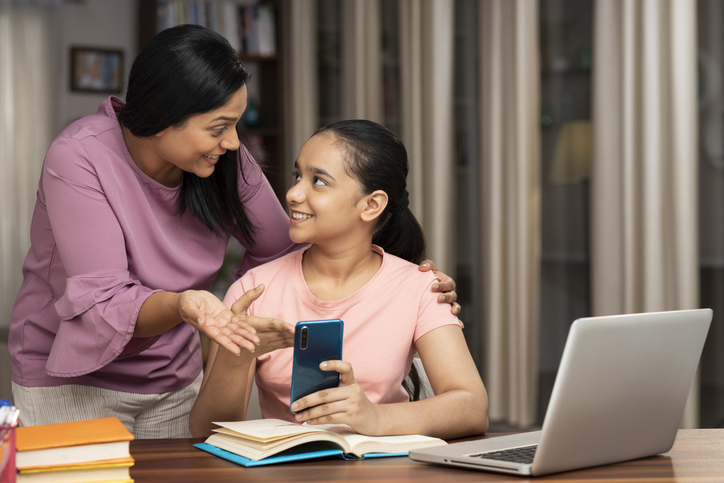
column 266, row 430
column 362, row 444
column 256, row 450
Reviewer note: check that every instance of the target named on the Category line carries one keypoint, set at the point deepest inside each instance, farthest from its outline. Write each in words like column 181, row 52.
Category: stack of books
column 77, row 452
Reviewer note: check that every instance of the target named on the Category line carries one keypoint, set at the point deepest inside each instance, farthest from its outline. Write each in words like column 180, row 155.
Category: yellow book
column 112, row 462
column 72, row 443
column 115, row 471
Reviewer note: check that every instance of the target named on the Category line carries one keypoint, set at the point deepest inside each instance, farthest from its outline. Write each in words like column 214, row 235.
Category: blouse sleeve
column 271, row 221
column 101, row 302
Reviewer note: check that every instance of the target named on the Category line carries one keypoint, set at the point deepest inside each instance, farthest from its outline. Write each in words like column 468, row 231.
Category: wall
column 92, row 23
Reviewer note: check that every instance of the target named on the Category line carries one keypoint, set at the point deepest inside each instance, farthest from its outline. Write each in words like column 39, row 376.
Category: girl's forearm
column 453, row 414
column 225, row 393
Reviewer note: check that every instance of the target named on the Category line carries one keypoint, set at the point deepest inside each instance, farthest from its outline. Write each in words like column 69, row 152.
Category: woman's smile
column 212, row 159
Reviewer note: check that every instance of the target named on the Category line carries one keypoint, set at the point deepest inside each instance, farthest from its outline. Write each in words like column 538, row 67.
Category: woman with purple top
column 135, row 208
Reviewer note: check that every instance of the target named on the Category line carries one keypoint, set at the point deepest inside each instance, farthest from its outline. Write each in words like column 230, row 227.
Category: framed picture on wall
column 96, row 70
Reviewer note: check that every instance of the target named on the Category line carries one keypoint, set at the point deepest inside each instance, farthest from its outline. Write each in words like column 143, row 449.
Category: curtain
column 361, row 60
column 645, row 155
column 27, row 125
column 427, row 32
column 41, row 3
column 510, row 203
column 301, row 105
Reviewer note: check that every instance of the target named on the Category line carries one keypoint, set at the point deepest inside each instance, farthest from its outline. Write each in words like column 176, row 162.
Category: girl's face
column 325, row 203
column 196, row 146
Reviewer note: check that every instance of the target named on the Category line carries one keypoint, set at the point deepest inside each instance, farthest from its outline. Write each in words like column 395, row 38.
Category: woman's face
column 325, row 202
column 196, row 146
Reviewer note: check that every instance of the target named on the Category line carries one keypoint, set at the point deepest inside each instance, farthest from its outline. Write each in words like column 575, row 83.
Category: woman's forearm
column 158, row 314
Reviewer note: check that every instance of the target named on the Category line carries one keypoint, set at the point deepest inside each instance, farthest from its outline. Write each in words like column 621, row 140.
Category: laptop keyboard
column 524, row 454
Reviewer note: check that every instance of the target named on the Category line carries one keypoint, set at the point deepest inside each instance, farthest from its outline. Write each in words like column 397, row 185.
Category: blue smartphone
column 315, row 341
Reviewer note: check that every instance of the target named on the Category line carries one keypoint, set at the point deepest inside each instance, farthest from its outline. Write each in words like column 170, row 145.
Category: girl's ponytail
column 400, row 233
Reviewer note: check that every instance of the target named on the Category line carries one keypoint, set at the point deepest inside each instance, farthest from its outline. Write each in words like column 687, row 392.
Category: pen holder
column 7, row 454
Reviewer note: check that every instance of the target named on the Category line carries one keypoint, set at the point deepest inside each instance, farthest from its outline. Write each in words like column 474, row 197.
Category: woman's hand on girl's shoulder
column 204, row 311
column 445, row 284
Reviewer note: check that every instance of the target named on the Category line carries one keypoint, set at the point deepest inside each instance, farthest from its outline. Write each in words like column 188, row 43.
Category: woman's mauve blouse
column 104, row 237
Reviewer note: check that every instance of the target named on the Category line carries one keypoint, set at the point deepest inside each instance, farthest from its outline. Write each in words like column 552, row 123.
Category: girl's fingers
column 242, row 303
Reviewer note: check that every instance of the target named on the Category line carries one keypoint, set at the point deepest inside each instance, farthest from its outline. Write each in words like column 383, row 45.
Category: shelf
column 258, row 58
column 570, row 71
column 711, row 263
column 266, row 132
column 563, row 257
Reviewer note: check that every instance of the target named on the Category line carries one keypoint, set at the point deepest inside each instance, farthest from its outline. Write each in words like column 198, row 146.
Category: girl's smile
column 296, row 216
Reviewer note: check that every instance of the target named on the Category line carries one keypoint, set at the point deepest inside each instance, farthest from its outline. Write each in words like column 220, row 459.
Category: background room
column 567, row 156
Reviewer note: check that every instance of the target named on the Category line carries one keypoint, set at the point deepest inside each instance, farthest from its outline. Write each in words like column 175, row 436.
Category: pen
column 14, row 417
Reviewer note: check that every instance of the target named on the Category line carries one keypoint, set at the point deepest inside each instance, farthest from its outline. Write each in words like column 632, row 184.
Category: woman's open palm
column 203, row 310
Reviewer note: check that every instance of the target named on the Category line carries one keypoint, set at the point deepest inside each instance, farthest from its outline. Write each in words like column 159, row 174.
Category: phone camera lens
column 303, row 344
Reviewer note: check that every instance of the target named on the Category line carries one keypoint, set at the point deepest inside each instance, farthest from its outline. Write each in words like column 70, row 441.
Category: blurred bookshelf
column 253, row 29
column 566, row 63
column 468, row 266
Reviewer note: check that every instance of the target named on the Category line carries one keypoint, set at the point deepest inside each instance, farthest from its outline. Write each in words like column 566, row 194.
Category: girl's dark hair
column 185, row 71
column 378, row 160
column 412, row 384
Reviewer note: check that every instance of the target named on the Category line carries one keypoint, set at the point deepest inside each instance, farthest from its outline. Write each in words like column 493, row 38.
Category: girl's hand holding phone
column 347, row 404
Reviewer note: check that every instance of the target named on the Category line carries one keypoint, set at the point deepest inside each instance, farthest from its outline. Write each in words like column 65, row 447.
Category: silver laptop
column 619, row 395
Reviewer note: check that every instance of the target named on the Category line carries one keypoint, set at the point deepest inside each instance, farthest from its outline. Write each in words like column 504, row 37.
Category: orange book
column 72, row 443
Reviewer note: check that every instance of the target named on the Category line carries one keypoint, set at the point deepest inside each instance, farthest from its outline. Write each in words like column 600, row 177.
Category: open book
column 267, row 441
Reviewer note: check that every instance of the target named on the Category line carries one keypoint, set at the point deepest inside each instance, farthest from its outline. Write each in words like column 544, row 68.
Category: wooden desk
column 697, row 455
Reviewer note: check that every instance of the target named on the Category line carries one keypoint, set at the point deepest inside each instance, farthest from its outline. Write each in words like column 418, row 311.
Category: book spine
column 254, row 30
column 267, row 45
column 250, row 29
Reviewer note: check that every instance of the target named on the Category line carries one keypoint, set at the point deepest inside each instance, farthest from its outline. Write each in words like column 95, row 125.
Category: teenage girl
column 350, row 202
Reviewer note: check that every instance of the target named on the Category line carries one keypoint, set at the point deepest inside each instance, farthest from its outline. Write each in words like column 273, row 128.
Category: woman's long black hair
column 185, row 71
column 378, row 160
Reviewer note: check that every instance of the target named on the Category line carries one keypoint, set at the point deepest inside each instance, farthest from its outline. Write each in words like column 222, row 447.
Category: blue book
column 270, row 441
column 300, row 453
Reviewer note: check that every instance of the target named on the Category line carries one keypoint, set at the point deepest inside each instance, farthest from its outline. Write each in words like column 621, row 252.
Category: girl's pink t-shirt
column 382, row 321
